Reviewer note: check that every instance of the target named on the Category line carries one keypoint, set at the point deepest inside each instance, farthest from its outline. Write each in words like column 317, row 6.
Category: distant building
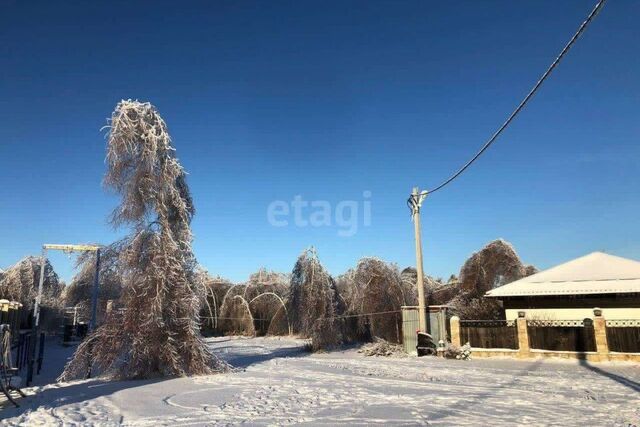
column 572, row 290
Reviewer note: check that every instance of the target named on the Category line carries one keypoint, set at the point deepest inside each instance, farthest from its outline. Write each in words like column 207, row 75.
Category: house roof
column 596, row 273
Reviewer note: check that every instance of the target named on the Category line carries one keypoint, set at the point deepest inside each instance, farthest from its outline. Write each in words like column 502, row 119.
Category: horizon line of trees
column 266, row 304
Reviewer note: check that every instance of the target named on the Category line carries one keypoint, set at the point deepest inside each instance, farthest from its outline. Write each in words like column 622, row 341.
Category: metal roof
column 596, row 273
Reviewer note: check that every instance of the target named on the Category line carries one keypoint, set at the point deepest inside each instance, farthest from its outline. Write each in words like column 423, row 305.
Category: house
column 572, row 290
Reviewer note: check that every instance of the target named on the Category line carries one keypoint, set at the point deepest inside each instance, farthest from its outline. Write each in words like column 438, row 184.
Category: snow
column 277, row 382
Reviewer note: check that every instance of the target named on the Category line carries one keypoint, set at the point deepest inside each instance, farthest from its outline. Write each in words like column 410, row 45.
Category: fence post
column 523, row 335
column 600, row 330
column 455, row 331
column 40, row 353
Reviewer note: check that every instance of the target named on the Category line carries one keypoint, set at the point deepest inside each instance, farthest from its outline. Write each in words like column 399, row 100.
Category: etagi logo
column 320, row 213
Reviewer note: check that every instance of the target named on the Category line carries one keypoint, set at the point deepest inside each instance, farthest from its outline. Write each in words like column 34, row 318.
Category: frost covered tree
column 80, row 291
column 380, row 289
column 494, row 265
column 20, row 283
column 313, row 302
column 157, row 333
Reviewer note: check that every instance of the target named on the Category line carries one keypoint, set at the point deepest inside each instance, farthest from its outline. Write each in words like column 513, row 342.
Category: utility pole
column 94, row 296
column 415, row 202
column 35, row 325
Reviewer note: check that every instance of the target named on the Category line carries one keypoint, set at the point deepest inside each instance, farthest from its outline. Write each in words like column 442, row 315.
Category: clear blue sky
column 268, row 100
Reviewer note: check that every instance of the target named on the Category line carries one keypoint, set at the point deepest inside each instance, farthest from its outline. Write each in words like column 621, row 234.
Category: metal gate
column 410, row 324
column 436, row 325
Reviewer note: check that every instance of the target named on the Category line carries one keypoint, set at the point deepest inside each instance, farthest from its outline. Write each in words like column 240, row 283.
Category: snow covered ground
column 279, row 383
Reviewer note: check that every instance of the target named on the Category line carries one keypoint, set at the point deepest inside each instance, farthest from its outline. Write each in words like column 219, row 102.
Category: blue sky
column 269, row 100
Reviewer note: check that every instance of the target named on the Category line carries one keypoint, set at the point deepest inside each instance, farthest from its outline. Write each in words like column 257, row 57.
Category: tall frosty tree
column 313, row 302
column 157, row 333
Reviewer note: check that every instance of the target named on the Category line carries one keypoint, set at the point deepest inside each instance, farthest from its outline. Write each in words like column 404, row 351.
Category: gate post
column 455, row 331
column 523, row 336
column 600, row 331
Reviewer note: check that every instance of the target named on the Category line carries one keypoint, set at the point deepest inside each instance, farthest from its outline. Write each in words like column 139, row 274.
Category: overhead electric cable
column 526, row 99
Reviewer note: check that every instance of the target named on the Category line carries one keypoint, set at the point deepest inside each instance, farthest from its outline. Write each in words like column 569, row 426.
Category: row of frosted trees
column 363, row 303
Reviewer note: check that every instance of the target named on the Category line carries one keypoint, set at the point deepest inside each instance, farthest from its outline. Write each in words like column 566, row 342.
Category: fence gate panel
column 436, row 325
column 410, row 324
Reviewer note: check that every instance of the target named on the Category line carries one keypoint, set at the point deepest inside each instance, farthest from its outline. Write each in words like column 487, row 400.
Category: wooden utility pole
column 415, row 202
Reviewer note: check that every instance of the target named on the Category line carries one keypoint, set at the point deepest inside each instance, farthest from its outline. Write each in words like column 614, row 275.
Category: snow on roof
column 596, row 273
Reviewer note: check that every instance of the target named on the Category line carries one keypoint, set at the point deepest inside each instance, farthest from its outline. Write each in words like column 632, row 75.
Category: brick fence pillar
column 600, row 330
column 523, row 336
column 455, row 331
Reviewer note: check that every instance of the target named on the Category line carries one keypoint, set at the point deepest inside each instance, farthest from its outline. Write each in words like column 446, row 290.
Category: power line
column 526, row 99
column 348, row 316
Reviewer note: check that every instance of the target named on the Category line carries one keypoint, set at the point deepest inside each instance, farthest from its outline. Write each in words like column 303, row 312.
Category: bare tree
column 158, row 331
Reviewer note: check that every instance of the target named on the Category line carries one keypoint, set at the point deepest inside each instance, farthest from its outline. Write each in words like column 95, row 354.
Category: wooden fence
column 561, row 335
column 489, row 333
column 594, row 339
column 624, row 335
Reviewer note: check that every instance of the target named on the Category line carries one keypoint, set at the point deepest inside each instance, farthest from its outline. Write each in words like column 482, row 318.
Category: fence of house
column 595, row 339
column 489, row 333
column 623, row 335
column 562, row 335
